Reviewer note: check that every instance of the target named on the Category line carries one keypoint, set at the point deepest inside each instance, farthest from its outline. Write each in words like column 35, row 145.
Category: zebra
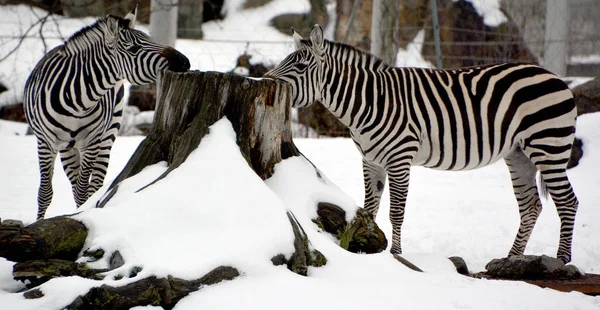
column 73, row 99
column 455, row 120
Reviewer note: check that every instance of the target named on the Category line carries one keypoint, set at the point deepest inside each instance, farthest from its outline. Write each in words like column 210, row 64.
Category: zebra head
column 303, row 69
column 140, row 59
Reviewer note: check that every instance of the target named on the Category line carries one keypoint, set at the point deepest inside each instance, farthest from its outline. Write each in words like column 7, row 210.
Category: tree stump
column 188, row 103
column 259, row 111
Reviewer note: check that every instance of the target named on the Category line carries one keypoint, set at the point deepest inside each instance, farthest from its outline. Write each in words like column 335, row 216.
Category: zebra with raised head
column 74, row 99
column 443, row 119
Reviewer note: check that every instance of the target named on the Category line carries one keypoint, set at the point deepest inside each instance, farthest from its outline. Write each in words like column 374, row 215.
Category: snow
column 489, row 10
column 213, row 210
column 585, row 59
column 189, row 222
column 411, row 56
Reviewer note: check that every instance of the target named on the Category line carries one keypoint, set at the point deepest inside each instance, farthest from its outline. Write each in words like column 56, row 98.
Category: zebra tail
column 542, row 187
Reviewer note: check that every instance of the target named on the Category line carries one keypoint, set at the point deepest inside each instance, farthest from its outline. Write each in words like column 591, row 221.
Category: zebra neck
column 350, row 95
column 87, row 53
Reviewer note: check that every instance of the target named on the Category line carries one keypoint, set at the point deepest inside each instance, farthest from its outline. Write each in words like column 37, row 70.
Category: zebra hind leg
column 46, row 157
column 552, row 167
column 522, row 173
column 374, row 178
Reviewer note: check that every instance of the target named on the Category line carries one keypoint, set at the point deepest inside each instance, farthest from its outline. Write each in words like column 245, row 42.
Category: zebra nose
column 177, row 61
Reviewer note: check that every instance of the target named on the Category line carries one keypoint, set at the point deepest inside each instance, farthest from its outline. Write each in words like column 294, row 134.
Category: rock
column 406, row 263
column 162, row 292
column 116, row 260
column 530, row 267
column 460, row 264
column 33, row 294
column 40, row 271
column 93, row 255
column 12, row 224
column 576, row 153
column 587, row 97
column 134, row 271
column 58, row 237
column 279, row 260
column 361, row 235
column 331, row 218
column 303, row 256
column 12, row 112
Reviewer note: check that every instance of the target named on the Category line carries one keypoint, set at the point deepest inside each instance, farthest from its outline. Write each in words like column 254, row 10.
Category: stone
column 33, row 294
column 460, row 264
column 116, row 260
column 12, row 223
column 587, row 97
column 531, row 267
column 40, row 271
column 361, row 235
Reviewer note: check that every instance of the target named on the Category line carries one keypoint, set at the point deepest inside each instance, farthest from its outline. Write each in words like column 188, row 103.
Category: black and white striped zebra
column 74, row 99
column 444, row 119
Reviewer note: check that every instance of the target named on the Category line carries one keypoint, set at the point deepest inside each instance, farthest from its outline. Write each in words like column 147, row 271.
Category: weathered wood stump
column 188, row 103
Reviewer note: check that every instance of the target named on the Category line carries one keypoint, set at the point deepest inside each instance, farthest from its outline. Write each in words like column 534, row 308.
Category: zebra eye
column 134, row 49
column 300, row 65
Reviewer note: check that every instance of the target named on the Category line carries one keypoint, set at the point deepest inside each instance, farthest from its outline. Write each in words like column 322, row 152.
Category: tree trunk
column 384, row 25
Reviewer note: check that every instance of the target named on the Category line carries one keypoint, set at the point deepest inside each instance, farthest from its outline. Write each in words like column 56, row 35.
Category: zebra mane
column 345, row 48
column 83, row 35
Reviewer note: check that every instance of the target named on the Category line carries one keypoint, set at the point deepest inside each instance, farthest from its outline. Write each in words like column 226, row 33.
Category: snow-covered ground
column 214, row 211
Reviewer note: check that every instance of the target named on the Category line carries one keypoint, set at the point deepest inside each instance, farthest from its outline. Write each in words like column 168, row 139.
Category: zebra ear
column 316, row 37
column 131, row 17
column 112, row 25
column 297, row 39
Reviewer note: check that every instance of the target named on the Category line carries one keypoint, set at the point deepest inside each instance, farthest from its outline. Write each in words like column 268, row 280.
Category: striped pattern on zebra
column 443, row 119
column 74, row 99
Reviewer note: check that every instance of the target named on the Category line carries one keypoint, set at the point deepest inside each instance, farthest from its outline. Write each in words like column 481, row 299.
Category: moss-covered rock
column 361, row 235
column 162, row 292
column 40, row 271
column 531, row 267
column 58, row 237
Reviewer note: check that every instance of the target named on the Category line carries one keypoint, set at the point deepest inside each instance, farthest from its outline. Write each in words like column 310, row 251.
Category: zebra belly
column 456, row 159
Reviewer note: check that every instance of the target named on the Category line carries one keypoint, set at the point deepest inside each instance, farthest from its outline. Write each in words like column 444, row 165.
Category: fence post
column 557, row 30
column 436, row 33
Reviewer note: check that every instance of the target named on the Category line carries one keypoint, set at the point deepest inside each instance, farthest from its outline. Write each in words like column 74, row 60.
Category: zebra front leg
column 399, row 179
column 46, row 156
column 522, row 173
column 374, row 179
column 81, row 187
column 114, row 96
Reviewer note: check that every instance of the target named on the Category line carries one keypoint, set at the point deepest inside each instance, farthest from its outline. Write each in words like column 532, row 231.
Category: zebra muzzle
column 177, row 61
